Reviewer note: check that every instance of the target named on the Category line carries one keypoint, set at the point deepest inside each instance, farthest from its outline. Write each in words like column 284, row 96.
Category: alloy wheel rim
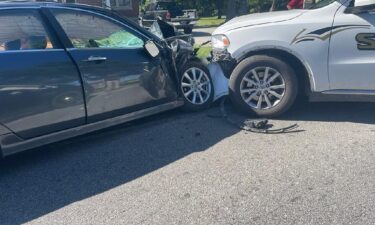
column 196, row 86
column 263, row 88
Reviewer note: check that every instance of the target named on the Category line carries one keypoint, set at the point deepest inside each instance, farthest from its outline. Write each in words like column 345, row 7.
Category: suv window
column 22, row 30
column 86, row 30
column 321, row 4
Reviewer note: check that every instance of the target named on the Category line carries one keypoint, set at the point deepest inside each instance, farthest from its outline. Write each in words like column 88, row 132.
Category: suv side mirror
column 152, row 49
column 358, row 9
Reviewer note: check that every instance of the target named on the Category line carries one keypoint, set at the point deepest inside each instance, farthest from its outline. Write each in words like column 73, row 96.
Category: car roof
column 33, row 4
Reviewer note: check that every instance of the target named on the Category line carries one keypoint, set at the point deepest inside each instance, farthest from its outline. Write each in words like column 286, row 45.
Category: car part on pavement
column 260, row 126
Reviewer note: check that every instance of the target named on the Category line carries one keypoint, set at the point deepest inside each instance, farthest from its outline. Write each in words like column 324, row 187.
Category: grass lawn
column 210, row 21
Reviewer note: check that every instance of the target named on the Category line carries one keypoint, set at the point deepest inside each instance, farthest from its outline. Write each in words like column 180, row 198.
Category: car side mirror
column 360, row 9
column 152, row 49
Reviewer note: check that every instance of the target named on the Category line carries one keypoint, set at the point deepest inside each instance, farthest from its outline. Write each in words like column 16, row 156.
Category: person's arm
column 292, row 4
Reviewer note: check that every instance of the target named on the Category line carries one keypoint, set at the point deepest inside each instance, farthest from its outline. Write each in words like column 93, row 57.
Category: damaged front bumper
column 225, row 60
column 219, row 81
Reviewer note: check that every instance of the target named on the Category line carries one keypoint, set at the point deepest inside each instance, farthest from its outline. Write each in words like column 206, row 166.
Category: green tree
column 237, row 8
column 231, row 8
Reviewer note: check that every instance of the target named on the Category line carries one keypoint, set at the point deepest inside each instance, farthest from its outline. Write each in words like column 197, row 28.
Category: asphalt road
column 179, row 168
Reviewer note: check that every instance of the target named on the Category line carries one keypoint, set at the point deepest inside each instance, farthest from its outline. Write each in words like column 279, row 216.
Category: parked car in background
column 326, row 52
column 66, row 70
column 172, row 13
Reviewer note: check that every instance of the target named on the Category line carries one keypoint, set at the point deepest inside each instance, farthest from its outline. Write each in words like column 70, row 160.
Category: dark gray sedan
column 66, row 70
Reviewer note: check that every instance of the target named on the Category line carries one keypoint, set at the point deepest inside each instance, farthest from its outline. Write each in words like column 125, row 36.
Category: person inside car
column 12, row 45
column 33, row 42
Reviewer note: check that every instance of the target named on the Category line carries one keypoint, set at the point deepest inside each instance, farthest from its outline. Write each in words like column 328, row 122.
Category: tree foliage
column 225, row 7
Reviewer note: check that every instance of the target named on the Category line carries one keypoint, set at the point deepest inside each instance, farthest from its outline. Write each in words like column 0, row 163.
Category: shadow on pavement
column 39, row 182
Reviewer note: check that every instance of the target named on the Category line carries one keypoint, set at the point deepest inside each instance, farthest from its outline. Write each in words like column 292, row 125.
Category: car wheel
column 196, row 86
column 188, row 30
column 263, row 85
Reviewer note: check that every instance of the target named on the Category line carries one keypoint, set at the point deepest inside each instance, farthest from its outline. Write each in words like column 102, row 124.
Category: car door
column 118, row 73
column 352, row 51
column 40, row 87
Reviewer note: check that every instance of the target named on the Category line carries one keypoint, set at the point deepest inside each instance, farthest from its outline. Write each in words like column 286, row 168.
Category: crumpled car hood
column 257, row 19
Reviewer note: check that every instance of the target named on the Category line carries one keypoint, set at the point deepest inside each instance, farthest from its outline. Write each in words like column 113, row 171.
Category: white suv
column 327, row 51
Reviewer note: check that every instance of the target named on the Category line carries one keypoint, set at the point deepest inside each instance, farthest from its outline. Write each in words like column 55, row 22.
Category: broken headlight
column 220, row 41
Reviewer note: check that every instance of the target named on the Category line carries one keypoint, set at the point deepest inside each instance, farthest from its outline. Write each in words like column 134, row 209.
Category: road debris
column 261, row 126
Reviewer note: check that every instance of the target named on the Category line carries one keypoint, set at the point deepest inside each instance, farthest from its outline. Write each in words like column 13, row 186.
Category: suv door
column 40, row 87
column 352, row 52
column 119, row 75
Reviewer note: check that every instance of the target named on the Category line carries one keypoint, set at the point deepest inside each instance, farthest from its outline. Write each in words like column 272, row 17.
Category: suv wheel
column 263, row 85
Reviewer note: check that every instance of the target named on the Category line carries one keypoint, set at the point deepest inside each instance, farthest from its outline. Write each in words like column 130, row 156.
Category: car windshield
column 320, row 4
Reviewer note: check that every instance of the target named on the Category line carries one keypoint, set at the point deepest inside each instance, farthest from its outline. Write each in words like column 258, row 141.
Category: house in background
column 128, row 8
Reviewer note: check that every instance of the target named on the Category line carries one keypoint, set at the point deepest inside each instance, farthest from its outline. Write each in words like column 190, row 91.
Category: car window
column 86, row 30
column 22, row 30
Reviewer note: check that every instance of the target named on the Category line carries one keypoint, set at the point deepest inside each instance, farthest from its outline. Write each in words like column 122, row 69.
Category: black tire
column 188, row 30
column 259, row 61
column 189, row 106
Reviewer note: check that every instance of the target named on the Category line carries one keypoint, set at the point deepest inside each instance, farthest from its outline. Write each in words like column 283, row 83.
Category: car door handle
column 95, row 59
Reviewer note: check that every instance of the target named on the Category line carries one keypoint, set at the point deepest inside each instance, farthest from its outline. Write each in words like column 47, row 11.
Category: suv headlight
column 220, row 41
